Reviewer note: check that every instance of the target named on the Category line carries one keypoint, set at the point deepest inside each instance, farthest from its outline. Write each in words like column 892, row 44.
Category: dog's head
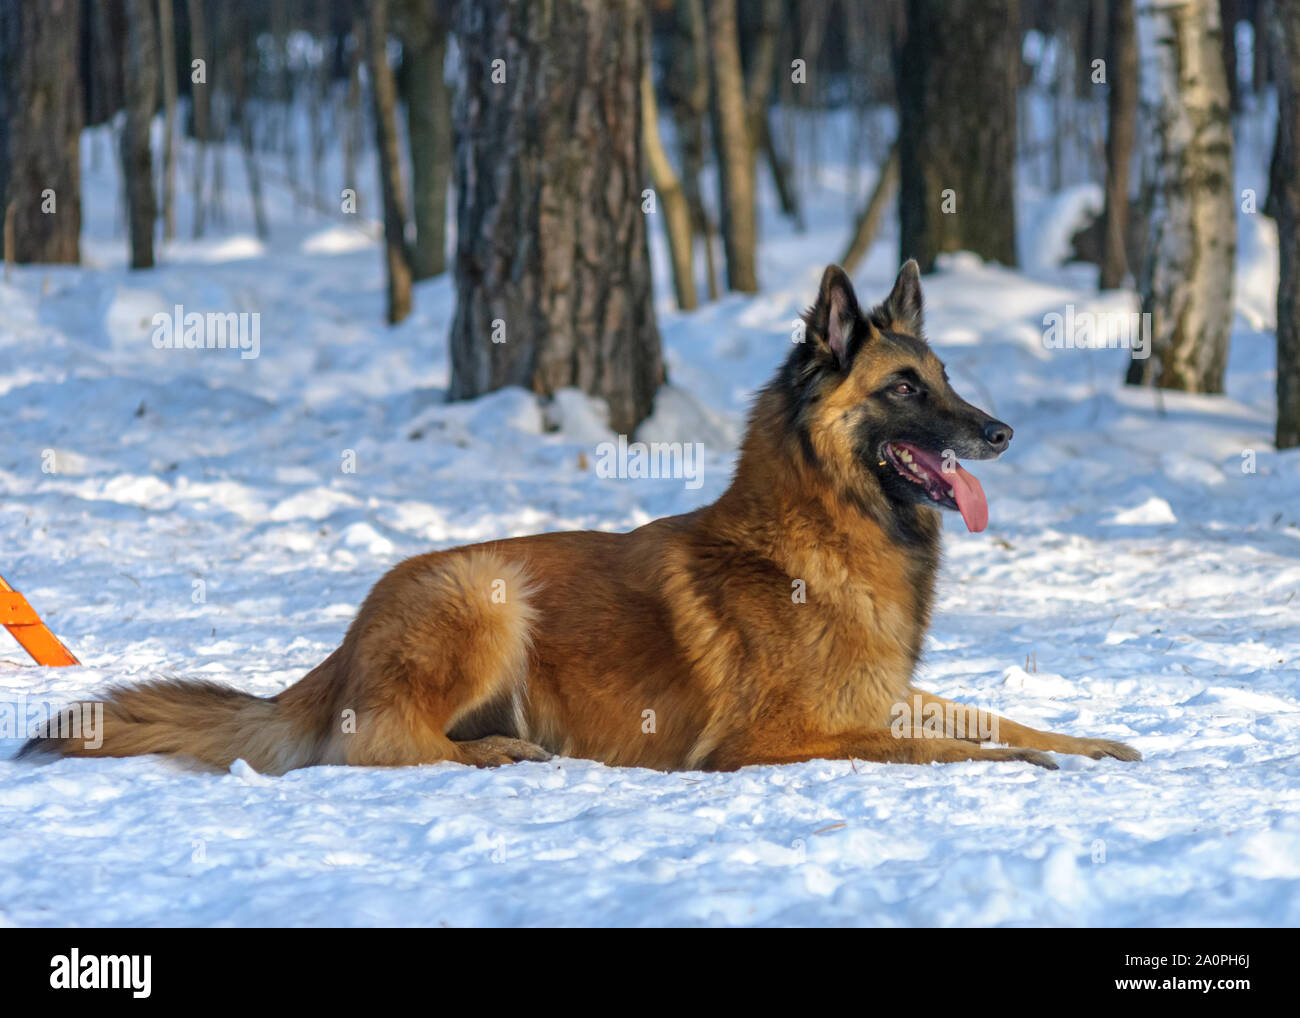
column 874, row 408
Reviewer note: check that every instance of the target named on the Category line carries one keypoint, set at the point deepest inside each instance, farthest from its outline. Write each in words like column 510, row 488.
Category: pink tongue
column 965, row 486
column 970, row 499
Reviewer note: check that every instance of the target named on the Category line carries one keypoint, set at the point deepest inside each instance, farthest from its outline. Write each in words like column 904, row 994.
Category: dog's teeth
column 951, row 493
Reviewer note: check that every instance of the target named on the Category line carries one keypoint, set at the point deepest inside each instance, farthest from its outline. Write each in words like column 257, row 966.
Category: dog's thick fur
column 684, row 644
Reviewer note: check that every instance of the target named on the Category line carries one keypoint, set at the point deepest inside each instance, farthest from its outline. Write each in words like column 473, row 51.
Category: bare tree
column 1186, row 280
column 201, row 99
column 318, row 101
column 734, row 148
column 868, row 224
column 956, row 84
column 1122, row 81
column 758, row 89
column 688, row 90
column 167, row 54
column 383, row 89
column 40, row 127
column 668, row 190
column 553, row 280
column 353, row 114
column 428, row 128
column 141, row 97
column 1288, row 227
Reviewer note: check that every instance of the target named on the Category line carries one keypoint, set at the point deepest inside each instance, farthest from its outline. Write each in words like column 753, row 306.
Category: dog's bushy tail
column 204, row 721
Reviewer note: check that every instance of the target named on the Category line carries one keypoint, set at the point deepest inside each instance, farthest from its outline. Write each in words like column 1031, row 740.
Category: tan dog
column 781, row 623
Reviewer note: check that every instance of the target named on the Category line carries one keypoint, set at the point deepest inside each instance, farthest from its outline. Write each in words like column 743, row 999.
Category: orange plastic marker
column 20, row 618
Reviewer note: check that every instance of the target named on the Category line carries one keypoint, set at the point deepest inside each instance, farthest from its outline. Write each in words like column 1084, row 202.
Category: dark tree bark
column 758, row 88
column 955, row 77
column 239, row 37
column 141, row 97
column 1187, row 274
column 41, row 114
column 1229, row 14
column 200, row 97
column 1261, row 72
column 319, row 97
column 552, row 269
column 383, row 90
column 428, row 126
column 1276, row 180
column 734, row 148
column 1121, row 130
column 688, row 89
column 353, row 129
column 1288, row 228
column 167, row 56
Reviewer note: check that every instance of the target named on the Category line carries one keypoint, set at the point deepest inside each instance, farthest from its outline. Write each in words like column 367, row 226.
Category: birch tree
column 1186, row 279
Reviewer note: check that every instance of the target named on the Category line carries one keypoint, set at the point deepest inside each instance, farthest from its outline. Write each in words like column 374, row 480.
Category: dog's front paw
column 1099, row 749
column 1038, row 759
column 1034, row 756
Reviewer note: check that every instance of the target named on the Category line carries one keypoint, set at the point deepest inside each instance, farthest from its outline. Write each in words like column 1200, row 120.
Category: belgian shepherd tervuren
column 781, row 623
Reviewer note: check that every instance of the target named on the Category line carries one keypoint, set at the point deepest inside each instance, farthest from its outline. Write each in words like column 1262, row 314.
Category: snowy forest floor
column 1134, row 583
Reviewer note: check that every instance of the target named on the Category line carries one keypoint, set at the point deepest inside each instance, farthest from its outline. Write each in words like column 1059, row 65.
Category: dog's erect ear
column 901, row 311
column 833, row 320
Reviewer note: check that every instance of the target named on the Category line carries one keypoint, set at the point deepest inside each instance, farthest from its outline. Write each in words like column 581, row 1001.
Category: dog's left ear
column 901, row 311
column 833, row 320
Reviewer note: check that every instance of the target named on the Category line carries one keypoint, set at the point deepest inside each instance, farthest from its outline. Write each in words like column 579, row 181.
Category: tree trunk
column 955, row 78
column 141, row 97
column 1121, row 130
column 868, row 224
column 689, row 91
column 552, row 270
column 1186, row 279
column 200, row 97
column 167, row 54
column 668, row 189
column 734, row 148
column 383, row 90
column 242, row 67
column 758, row 90
column 40, row 127
column 319, row 95
column 428, row 126
column 354, row 115
column 1229, row 13
column 1261, row 72
column 1288, row 229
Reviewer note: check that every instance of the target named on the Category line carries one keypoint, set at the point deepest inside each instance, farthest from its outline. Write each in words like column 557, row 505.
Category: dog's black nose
column 997, row 435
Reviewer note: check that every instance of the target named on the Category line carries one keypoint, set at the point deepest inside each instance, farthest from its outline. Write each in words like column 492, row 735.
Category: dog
column 782, row 623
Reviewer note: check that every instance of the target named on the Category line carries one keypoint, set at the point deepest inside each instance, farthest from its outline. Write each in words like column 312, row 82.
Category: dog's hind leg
column 878, row 745
column 439, row 637
column 964, row 722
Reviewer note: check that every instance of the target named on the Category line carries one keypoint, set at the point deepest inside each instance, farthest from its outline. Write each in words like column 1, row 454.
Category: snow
column 219, row 517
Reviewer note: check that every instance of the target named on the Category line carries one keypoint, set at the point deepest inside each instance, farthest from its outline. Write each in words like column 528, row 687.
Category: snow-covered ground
column 183, row 512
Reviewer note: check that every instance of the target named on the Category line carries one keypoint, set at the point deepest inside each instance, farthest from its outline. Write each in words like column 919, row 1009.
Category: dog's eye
column 903, row 389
